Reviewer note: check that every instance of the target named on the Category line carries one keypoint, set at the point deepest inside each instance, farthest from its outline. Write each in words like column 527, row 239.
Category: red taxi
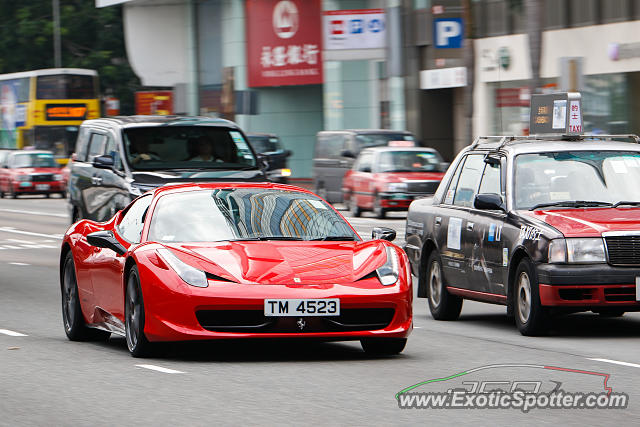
column 387, row 179
column 31, row 172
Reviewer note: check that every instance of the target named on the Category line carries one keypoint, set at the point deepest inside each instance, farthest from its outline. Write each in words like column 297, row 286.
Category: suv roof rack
column 507, row 139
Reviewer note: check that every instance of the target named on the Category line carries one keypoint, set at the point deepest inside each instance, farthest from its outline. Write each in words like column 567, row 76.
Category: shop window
column 497, row 13
column 616, row 10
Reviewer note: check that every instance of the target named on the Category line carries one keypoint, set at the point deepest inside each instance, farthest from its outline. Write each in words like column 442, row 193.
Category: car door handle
column 469, row 226
column 438, row 221
column 96, row 180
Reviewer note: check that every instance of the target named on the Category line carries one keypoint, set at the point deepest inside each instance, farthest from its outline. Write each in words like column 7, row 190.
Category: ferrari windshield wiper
column 572, row 204
column 336, row 238
column 625, row 202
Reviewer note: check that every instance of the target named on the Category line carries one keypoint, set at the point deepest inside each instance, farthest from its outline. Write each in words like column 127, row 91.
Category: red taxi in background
column 31, row 172
column 387, row 179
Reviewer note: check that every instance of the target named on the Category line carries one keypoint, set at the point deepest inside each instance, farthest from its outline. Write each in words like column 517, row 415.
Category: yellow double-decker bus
column 44, row 108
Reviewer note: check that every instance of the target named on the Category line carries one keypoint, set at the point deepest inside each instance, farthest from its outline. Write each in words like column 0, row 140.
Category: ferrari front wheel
column 137, row 342
column 383, row 346
column 74, row 324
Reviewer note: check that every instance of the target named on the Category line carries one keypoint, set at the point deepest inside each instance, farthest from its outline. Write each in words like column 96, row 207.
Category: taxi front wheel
column 531, row 317
column 442, row 304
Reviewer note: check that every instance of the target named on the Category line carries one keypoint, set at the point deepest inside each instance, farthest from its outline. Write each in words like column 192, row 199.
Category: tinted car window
column 245, row 214
column 185, row 147
column 96, row 146
column 265, row 144
column 469, row 180
column 111, row 149
column 133, row 221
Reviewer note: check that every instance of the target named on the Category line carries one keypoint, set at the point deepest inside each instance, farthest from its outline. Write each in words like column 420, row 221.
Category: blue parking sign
column 448, row 33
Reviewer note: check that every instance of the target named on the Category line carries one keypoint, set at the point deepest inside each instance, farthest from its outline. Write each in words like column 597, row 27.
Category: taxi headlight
column 396, row 186
column 388, row 273
column 57, row 177
column 189, row 274
column 23, row 178
column 577, row 250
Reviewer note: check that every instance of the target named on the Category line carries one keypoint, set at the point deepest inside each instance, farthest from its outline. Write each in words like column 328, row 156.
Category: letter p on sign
column 447, row 33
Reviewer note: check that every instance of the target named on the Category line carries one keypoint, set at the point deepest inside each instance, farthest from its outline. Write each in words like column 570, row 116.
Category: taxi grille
column 424, row 187
column 623, row 250
column 43, row 177
column 254, row 321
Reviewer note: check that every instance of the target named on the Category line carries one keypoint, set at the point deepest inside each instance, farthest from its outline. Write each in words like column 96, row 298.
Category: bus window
column 65, row 86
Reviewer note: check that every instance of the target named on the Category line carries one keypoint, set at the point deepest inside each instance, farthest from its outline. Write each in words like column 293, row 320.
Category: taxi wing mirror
column 488, row 201
column 383, row 233
column 106, row 239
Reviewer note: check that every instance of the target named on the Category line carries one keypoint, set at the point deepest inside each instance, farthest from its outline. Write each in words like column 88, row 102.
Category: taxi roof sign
column 556, row 113
column 402, row 144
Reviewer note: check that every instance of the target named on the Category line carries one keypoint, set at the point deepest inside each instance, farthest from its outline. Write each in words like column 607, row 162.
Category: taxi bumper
column 598, row 285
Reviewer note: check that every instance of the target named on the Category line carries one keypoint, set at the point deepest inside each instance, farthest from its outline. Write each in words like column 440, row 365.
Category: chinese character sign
column 284, row 42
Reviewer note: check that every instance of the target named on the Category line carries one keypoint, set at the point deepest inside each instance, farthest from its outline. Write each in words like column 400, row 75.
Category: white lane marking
column 20, row 241
column 12, row 247
column 37, row 246
column 29, row 233
column 18, row 263
column 616, row 362
column 12, row 333
column 417, row 327
column 59, row 215
column 160, row 369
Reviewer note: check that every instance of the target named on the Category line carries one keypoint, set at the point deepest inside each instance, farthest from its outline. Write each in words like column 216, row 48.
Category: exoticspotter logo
column 515, row 386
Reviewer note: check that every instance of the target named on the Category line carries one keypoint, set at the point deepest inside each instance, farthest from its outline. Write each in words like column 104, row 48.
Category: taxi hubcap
column 524, row 297
column 435, row 283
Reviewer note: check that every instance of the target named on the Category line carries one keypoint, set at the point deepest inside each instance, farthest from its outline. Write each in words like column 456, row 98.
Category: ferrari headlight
column 396, row 186
column 23, row 178
column 189, row 274
column 577, row 250
column 57, row 177
column 388, row 273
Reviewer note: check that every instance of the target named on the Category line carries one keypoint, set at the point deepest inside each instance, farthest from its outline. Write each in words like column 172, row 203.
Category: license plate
column 42, row 186
column 637, row 288
column 302, row 307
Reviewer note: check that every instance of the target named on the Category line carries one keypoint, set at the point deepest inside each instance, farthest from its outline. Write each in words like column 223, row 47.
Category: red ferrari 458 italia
column 233, row 260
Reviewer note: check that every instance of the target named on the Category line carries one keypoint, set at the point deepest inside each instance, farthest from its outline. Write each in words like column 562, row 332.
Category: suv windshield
column 365, row 140
column 245, row 214
column 409, row 161
column 264, row 144
column 32, row 160
column 586, row 178
column 187, row 147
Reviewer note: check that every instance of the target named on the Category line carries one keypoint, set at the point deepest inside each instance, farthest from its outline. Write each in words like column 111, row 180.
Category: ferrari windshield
column 187, row 147
column 577, row 179
column 245, row 214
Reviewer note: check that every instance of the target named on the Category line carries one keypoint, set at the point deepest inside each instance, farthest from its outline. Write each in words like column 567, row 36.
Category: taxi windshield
column 577, row 179
column 33, row 160
column 409, row 161
column 246, row 214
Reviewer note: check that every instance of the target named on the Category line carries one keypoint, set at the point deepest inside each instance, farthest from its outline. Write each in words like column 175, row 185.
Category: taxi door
column 362, row 180
column 486, row 260
column 453, row 228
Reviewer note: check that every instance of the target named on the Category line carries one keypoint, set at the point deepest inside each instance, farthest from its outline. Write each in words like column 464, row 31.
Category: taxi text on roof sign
column 556, row 113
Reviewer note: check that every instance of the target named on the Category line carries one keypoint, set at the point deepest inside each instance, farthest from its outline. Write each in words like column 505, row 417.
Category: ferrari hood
column 589, row 222
column 289, row 262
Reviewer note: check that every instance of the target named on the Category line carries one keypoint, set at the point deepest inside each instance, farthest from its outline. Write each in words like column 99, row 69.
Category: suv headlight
column 577, row 250
column 397, row 186
column 23, row 178
column 189, row 274
column 388, row 273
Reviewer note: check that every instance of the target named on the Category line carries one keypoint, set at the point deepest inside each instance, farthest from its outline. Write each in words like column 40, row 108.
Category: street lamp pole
column 56, row 34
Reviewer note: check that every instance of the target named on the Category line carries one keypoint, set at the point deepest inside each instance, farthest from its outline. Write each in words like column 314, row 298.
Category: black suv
column 268, row 146
column 119, row 158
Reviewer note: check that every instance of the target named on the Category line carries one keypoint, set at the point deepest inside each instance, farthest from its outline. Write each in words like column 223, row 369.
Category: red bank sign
column 284, row 42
